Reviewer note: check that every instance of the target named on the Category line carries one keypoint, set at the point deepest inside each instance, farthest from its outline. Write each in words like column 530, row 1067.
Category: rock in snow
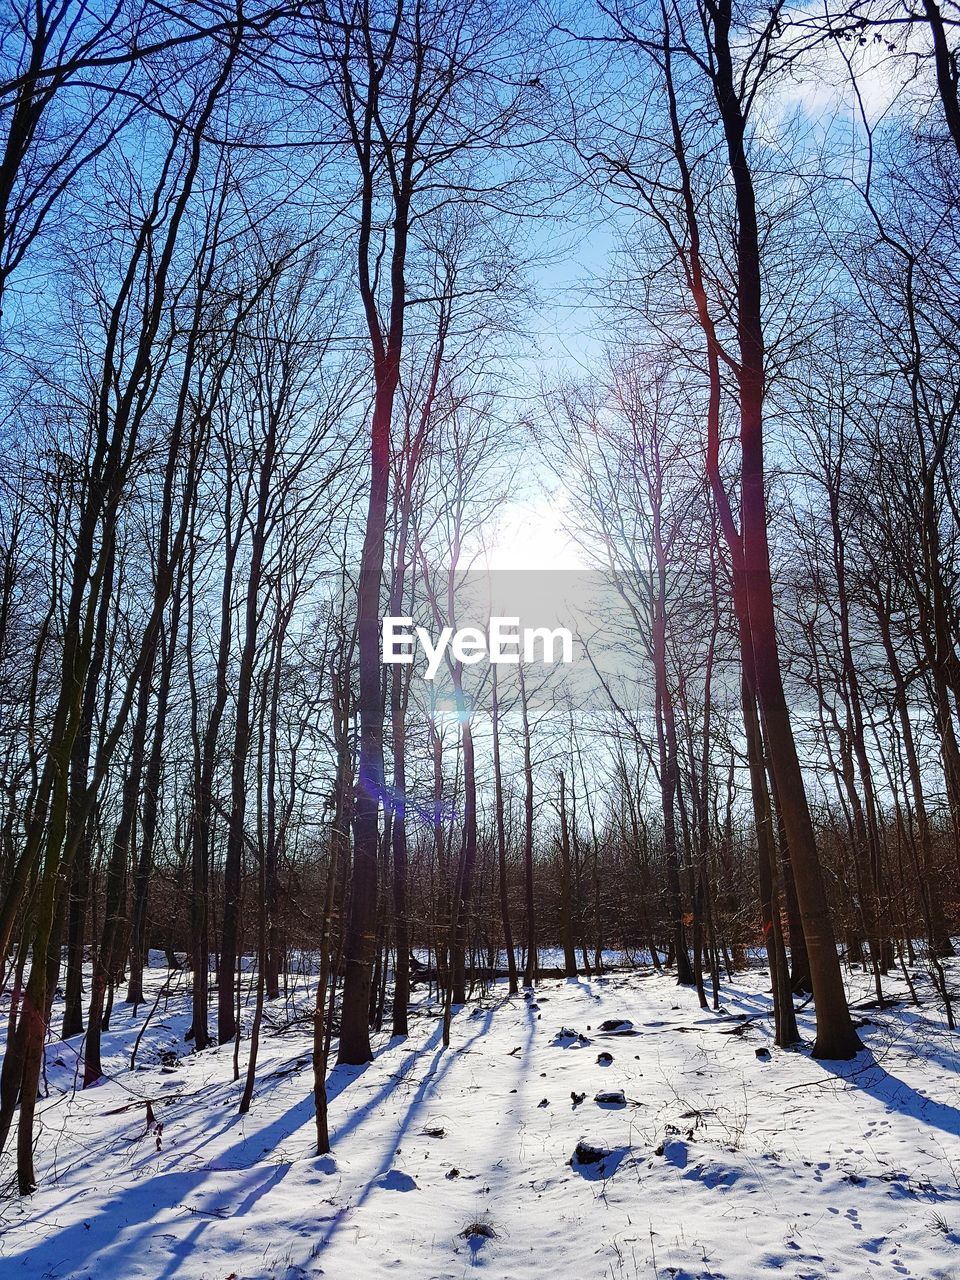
column 617, row 1027
column 587, row 1153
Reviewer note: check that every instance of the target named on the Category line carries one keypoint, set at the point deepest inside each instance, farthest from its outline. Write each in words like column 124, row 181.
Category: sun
column 531, row 536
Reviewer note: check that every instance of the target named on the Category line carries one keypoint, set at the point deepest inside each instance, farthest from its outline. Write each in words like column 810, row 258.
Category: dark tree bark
column 566, row 905
column 532, row 962
column 498, row 802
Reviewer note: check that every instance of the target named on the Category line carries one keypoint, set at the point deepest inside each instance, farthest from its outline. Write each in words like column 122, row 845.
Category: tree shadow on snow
column 868, row 1076
column 126, row 1224
column 386, row 1177
column 153, row 1207
column 929, row 1042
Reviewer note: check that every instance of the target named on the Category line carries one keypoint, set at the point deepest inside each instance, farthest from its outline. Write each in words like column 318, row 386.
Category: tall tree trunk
column 931, row 887
column 566, row 910
column 82, row 825
column 116, row 928
column 464, row 892
column 836, row 1036
column 150, row 815
column 531, row 967
column 242, row 736
column 498, row 802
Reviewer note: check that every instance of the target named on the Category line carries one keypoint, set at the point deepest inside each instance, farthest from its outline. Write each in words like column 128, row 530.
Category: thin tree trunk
column 502, row 841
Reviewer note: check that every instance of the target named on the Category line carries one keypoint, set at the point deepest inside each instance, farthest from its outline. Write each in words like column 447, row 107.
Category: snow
column 717, row 1163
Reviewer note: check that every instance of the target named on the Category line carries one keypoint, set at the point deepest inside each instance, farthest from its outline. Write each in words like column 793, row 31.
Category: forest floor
column 719, row 1163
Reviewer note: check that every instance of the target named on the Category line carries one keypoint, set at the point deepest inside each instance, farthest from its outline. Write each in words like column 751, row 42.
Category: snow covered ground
column 720, row 1163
